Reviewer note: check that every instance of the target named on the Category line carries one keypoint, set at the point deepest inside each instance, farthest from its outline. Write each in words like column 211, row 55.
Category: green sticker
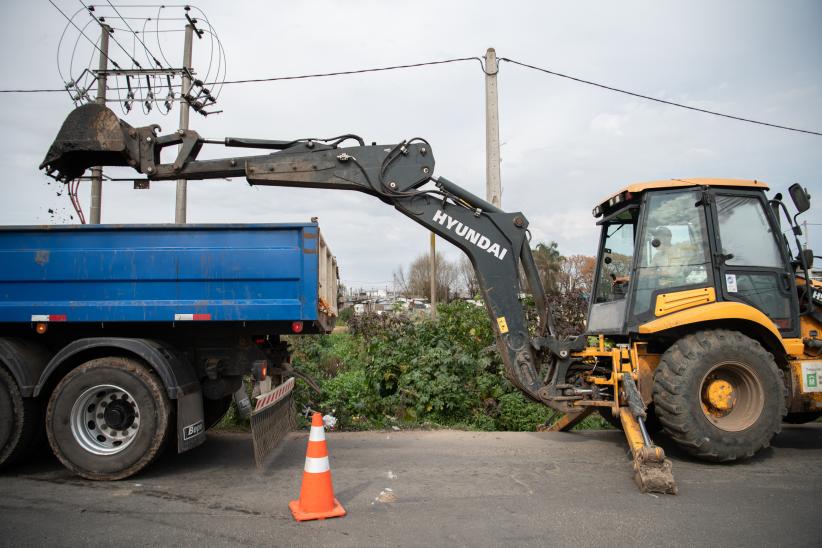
column 811, row 380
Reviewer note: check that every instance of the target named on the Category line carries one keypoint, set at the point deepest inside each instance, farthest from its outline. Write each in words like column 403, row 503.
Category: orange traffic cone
column 316, row 495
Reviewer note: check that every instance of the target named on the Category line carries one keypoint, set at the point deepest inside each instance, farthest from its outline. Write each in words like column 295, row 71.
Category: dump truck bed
column 168, row 273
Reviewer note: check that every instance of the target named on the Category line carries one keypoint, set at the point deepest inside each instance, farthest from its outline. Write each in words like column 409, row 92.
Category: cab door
column 750, row 262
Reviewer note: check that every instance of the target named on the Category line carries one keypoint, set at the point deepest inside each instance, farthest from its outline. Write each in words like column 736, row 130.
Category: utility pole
column 433, row 271
column 97, row 172
column 182, row 184
column 493, row 184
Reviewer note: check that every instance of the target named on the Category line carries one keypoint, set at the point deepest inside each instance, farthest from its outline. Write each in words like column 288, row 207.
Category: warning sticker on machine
column 730, row 283
column 812, row 377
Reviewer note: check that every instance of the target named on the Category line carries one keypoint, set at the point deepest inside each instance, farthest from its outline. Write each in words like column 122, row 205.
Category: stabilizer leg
column 652, row 471
column 566, row 422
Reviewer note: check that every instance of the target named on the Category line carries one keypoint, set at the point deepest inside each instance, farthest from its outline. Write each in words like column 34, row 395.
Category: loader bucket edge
column 92, row 135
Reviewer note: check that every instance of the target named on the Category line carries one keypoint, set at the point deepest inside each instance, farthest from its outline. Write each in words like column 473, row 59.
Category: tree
column 549, row 265
column 416, row 281
column 577, row 274
column 468, row 277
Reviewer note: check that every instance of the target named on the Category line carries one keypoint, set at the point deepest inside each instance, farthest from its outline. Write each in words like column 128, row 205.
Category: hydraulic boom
column 496, row 242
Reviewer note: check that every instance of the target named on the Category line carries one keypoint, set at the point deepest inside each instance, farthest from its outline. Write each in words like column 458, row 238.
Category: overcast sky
column 565, row 145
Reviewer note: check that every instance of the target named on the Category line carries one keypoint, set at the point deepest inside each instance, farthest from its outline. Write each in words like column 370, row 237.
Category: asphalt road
column 451, row 488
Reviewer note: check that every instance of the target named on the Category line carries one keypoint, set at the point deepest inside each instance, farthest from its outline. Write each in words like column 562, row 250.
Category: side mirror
column 801, row 198
column 807, row 255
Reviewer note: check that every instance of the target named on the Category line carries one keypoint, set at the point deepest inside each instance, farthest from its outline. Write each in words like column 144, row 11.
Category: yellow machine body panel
column 680, row 183
column 667, row 303
column 721, row 311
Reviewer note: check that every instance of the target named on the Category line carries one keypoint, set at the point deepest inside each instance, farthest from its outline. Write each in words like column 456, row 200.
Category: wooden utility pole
column 97, row 172
column 433, row 271
column 493, row 184
column 182, row 184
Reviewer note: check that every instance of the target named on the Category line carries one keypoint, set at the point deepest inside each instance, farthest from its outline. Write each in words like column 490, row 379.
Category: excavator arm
column 536, row 360
column 494, row 240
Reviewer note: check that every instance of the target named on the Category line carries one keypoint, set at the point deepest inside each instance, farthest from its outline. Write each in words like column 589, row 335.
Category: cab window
column 673, row 250
column 616, row 256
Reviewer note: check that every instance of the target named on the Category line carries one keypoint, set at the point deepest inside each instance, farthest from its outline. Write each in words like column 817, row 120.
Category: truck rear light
column 192, row 317
column 259, row 370
column 297, row 327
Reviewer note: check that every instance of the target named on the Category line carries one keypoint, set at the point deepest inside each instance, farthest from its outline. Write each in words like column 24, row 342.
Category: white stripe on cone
column 317, row 434
column 316, row 465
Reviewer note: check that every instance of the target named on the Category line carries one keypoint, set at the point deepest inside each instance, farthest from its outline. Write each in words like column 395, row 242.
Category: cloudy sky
column 565, row 145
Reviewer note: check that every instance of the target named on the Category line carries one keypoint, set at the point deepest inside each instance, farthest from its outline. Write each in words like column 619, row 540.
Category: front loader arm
column 495, row 241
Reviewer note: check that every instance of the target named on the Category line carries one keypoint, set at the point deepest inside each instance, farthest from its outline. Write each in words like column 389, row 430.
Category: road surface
column 451, row 488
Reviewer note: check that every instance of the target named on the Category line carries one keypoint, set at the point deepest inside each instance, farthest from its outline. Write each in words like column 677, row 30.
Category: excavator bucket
column 92, row 135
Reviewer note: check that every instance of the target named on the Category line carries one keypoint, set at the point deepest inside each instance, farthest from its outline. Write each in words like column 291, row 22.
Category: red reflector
column 297, row 327
column 57, row 317
column 259, row 340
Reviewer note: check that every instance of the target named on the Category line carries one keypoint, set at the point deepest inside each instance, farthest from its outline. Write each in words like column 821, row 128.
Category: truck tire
column 719, row 395
column 21, row 426
column 215, row 410
column 108, row 419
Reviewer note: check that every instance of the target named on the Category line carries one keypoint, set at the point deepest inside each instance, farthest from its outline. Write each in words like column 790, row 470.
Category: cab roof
column 679, row 183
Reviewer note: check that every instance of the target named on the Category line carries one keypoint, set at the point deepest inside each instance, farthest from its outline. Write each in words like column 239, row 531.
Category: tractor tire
column 719, row 395
column 21, row 426
column 109, row 418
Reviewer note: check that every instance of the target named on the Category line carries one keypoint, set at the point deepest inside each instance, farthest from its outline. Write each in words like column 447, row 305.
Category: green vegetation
column 391, row 371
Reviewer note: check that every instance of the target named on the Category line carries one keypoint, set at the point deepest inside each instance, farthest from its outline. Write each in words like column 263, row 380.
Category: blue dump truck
column 117, row 341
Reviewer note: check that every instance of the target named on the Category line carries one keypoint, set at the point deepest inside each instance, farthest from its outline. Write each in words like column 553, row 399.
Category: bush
column 391, row 370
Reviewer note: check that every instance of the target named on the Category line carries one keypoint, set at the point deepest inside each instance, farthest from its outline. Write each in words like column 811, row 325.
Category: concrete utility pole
column 493, row 184
column 182, row 184
column 433, row 271
column 97, row 172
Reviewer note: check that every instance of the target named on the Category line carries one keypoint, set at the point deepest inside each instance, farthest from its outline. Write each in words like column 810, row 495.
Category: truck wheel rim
column 731, row 396
column 105, row 419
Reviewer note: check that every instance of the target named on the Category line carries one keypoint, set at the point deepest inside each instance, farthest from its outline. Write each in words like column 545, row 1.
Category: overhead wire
column 103, row 25
column 347, row 72
column 71, row 21
column 223, row 82
column 145, row 47
column 656, row 99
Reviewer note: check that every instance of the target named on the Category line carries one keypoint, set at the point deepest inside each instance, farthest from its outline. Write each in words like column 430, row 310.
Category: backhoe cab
column 700, row 315
column 698, row 289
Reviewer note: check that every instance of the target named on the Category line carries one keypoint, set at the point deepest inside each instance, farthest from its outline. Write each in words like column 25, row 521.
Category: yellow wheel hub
column 721, row 395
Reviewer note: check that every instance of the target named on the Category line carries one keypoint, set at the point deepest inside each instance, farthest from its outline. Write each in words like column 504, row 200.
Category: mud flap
column 191, row 430
column 273, row 417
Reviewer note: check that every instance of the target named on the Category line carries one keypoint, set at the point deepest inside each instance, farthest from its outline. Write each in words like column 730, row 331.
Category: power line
column 656, row 99
column 346, row 72
column 71, row 21
column 101, row 21
column 145, row 47
column 460, row 59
